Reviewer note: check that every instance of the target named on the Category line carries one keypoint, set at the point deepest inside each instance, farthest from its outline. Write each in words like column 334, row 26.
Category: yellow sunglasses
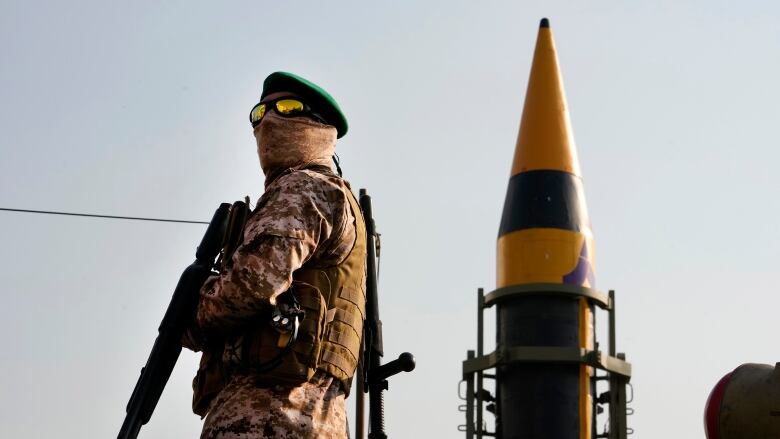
column 288, row 107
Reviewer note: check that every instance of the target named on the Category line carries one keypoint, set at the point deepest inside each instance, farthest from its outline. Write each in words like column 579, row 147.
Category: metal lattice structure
column 617, row 370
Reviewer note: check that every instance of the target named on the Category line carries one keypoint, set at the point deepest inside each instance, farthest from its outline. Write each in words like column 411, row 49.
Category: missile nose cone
column 545, row 139
column 545, row 232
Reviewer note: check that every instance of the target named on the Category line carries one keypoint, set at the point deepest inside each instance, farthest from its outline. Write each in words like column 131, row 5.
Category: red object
column 712, row 409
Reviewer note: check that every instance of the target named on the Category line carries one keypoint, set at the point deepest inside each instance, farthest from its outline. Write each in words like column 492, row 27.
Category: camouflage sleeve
column 193, row 338
column 279, row 238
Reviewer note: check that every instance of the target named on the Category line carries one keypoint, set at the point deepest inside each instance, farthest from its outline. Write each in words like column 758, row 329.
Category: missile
column 545, row 238
column 545, row 296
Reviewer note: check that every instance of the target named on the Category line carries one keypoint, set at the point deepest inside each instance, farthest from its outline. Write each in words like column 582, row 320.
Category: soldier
column 303, row 244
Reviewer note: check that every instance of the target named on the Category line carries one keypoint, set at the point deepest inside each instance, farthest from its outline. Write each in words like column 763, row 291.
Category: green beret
column 320, row 100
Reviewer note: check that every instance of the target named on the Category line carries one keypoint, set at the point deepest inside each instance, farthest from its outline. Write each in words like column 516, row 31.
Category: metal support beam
column 596, row 297
column 480, row 346
column 618, row 407
column 469, row 400
column 547, row 354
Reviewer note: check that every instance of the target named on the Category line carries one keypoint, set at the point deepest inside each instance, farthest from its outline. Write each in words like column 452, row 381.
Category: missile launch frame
column 618, row 371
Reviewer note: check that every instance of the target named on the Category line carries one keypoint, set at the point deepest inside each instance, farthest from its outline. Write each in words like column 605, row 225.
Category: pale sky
column 141, row 109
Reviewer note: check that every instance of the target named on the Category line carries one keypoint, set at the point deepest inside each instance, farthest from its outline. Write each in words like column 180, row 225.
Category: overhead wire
column 90, row 215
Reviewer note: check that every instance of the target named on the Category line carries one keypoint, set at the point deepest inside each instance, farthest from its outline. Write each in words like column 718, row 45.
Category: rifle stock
column 167, row 345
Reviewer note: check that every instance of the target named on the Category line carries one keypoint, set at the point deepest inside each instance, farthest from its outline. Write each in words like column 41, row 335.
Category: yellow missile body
column 545, row 238
column 545, row 232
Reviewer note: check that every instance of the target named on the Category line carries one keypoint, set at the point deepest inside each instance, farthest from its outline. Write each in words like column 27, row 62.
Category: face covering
column 289, row 142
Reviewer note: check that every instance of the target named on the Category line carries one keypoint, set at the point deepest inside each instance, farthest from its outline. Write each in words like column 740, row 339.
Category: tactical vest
column 330, row 334
column 342, row 288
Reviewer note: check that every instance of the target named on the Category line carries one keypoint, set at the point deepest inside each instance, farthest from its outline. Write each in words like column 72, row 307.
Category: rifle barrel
column 167, row 346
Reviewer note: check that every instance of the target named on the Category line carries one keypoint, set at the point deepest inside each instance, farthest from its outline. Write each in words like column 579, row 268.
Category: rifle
column 178, row 316
column 373, row 379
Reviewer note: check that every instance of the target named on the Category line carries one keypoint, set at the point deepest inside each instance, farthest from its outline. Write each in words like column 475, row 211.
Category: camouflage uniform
column 303, row 215
column 314, row 409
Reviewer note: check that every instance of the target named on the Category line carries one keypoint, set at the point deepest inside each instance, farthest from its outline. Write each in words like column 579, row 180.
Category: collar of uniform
column 316, row 167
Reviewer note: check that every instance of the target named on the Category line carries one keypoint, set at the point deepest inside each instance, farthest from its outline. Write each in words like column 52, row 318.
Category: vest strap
column 308, row 301
column 351, row 319
column 347, row 338
column 355, row 296
column 336, row 359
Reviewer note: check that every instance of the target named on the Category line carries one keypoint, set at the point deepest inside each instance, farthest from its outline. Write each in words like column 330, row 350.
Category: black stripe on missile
column 546, row 199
